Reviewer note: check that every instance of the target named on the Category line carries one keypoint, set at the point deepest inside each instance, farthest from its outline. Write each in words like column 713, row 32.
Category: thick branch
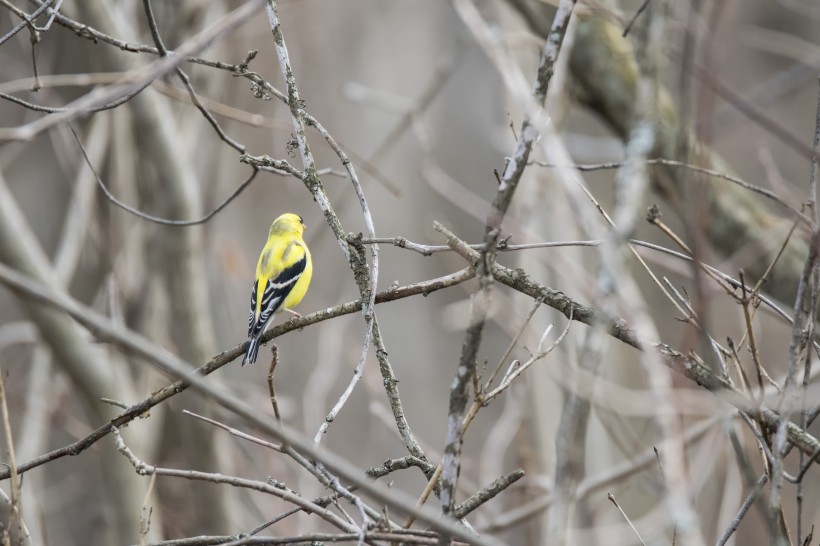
column 689, row 365
column 100, row 326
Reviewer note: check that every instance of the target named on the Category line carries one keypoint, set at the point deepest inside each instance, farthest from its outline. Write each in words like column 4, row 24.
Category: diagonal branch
column 689, row 365
column 190, row 378
column 366, row 280
column 100, row 326
column 136, row 79
column 480, row 301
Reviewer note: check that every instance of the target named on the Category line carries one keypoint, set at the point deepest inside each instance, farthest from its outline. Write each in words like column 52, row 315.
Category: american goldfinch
column 282, row 278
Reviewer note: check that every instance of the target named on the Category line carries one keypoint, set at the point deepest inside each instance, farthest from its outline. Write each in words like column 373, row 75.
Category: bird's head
column 288, row 222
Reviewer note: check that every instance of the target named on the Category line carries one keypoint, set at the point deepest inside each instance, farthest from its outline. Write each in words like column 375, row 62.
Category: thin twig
column 611, row 498
column 28, row 20
column 696, row 168
column 593, row 484
column 634, row 18
column 145, row 520
column 156, row 219
column 144, row 469
column 744, row 507
column 15, row 495
column 273, row 362
column 745, row 302
column 233, row 431
column 136, row 80
column 527, row 136
column 485, row 395
column 513, row 343
column 186, row 81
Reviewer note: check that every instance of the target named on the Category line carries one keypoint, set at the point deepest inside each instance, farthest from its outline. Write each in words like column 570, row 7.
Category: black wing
column 252, row 317
column 275, row 293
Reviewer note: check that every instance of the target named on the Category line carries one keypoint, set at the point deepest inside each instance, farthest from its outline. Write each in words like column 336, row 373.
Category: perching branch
column 102, row 328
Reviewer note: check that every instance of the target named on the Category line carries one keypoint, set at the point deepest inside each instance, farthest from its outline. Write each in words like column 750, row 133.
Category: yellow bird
column 282, row 278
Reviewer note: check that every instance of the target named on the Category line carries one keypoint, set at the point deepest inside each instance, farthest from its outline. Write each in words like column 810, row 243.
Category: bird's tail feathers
column 252, row 352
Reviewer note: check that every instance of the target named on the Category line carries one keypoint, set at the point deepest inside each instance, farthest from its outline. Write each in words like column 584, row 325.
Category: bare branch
column 155, row 219
column 144, row 469
column 480, row 301
column 136, row 80
column 101, row 327
column 481, row 497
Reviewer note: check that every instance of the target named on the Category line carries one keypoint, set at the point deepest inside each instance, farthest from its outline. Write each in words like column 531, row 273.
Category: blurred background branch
column 405, row 117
